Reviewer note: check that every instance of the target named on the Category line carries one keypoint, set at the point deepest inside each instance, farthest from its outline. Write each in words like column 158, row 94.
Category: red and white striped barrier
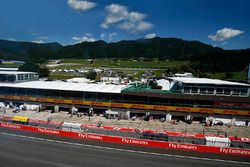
column 130, row 141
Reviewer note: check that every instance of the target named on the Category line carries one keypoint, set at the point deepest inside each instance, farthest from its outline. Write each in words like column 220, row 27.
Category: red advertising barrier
column 130, row 141
column 122, row 129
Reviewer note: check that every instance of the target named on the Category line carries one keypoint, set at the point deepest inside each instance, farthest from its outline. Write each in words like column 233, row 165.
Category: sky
column 222, row 23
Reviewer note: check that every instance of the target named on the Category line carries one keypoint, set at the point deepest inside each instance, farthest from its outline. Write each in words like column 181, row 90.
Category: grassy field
column 133, row 68
column 108, row 63
column 237, row 76
column 14, row 65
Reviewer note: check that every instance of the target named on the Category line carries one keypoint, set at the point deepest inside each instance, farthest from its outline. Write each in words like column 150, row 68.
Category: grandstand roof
column 15, row 72
column 192, row 80
column 8, row 69
column 60, row 85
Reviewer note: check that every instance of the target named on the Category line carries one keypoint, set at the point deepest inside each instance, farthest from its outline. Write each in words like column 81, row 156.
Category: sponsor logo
column 229, row 112
column 41, row 99
column 58, row 101
column 9, row 97
column 24, row 98
column 234, row 151
column 48, row 131
column 89, row 136
column 138, row 106
column 94, row 103
column 77, row 102
column 117, row 105
column 205, row 110
column 183, row 109
column 160, row 107
column 134, row 141
column 10, row 126
column 182, row 146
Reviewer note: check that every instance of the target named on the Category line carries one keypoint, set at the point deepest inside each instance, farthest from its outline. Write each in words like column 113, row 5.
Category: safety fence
column 129, row 141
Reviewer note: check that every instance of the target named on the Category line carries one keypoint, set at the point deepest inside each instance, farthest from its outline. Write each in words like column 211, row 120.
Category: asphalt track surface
column 22, row 149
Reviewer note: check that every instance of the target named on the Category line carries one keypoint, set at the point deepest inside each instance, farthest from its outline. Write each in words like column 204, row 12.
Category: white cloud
column 102, row 35
column 38, row 41
column 81, row 5
column 12, row 39
column 120, row 17
column 224, row 34
column 86, row 38
column 143, row 26
column 112, row 36
column 149, row 36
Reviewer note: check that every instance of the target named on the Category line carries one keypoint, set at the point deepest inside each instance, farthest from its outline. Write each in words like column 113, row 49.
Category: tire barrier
column 129, row 141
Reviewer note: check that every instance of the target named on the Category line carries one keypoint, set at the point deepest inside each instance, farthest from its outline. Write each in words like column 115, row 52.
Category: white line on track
column 125, row 150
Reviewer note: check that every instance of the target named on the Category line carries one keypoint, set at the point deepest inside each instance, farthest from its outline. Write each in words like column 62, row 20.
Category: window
column 194, row 90
column 203, row 91
column 187, row 89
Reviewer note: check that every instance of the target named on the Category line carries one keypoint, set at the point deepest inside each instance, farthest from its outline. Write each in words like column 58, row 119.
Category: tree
column 32, row 67
column 91, row 75
column 44, row 72
column 154, row 85
column 228, row 75
column 29, row 66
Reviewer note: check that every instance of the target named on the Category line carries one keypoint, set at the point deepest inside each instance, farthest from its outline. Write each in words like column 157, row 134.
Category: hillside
column 12, row 50
column 203, row 57
column 162, row 48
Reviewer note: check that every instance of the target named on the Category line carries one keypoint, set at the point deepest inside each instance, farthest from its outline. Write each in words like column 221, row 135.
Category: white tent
column 71, row 126
column 217, row 141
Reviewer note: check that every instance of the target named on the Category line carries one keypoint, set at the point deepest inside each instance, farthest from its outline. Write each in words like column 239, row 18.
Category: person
column 99, row 124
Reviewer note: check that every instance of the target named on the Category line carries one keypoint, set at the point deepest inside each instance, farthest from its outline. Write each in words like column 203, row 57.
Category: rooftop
column 8, row 69
column 15, row 72
column 60, row 85
column 192, row 80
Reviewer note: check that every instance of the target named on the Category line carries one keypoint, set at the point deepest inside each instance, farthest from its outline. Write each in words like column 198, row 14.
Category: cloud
column 38, row 41
column 12, row 39
column 112, row 36
column 149, row 36
column 225, row 34
column 102, row 35
column 81, row 5
column 120, row 17
column 86, row 38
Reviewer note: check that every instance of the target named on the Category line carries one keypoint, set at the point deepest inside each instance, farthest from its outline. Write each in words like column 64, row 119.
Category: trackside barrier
column 130, row 141
column 122, row 129
column 174, row 134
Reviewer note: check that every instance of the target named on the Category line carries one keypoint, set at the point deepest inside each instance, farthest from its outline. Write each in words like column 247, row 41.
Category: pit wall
column 129, row 141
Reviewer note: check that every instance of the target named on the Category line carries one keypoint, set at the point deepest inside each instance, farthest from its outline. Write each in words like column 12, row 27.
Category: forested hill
column 163, row 48
column 13, row 50
column 203, row 57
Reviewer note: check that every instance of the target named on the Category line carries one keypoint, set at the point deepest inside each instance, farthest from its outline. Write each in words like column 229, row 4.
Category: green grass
column 109, row 63
column 15, row 65
column 237, row 76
